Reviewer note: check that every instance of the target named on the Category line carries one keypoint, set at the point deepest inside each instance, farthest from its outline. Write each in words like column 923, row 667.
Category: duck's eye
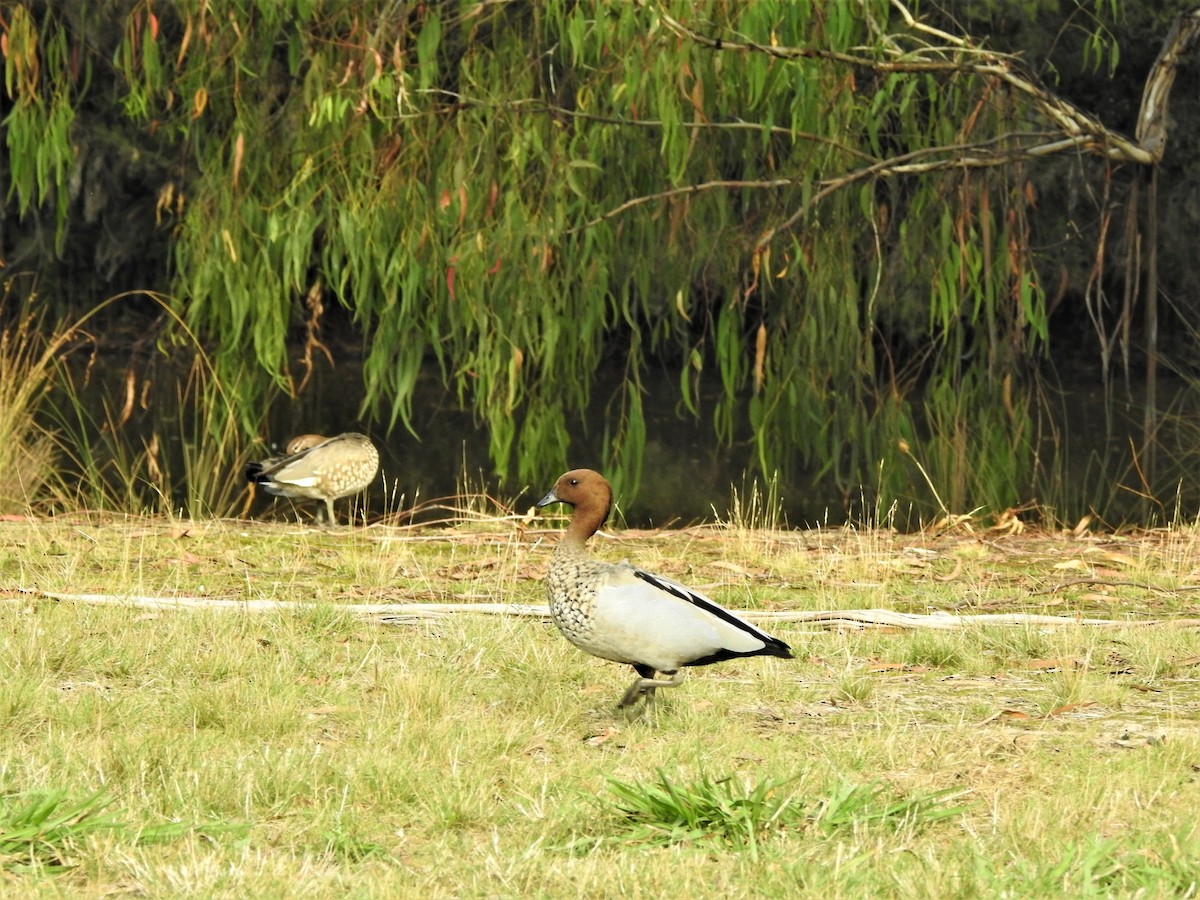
column 574, row 482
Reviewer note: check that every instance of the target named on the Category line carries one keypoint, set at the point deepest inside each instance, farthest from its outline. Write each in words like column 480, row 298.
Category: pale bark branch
column 1152, row 117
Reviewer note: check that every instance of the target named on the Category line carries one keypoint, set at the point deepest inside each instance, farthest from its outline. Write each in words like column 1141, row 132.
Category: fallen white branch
column 832, row 619
column 260, row 606
column 886, row 618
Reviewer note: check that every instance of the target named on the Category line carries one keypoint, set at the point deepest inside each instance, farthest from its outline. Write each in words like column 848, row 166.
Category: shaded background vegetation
column 577, row 233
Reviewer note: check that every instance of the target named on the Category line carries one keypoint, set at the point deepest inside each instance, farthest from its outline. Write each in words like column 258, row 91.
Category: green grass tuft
column 724, row 812
column 45, row 832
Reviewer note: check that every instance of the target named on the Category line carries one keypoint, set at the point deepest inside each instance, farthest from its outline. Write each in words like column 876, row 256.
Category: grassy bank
column 317, row 753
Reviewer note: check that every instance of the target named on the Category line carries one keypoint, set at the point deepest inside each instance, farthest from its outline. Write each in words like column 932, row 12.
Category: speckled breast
column 571, row 586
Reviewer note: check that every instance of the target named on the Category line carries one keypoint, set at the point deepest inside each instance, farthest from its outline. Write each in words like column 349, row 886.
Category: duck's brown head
column 591, row 495
column 304, row 442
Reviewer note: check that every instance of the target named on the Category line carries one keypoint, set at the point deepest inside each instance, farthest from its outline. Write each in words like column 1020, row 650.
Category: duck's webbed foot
column 646, row 684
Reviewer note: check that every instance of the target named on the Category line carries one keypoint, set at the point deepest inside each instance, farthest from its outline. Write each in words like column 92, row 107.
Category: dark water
column 688, row 478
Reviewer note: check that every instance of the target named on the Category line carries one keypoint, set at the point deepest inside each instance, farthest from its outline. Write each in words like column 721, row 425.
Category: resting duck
column 619, row 612
column 319, row 468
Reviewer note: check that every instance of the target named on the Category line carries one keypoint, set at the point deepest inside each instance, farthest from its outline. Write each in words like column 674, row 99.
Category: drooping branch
column 1077, row 130
column 960, row 57
column 972, row 156
column 976, row 155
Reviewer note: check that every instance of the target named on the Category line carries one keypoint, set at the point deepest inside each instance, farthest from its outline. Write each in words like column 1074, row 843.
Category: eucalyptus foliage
column 516, row 194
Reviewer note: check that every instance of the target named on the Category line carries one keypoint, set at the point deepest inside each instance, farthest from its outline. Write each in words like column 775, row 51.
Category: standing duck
column 319, row 468
column 619, row 612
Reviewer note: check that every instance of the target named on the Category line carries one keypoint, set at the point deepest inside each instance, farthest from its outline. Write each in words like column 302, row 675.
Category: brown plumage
column 319, row 468
column 302, row 442
column 619, row 612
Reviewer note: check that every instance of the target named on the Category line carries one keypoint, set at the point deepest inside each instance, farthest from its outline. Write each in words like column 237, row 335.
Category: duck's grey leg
column 646, row 685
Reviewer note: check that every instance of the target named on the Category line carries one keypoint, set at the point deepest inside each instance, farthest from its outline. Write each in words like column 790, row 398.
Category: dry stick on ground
column 832, row 619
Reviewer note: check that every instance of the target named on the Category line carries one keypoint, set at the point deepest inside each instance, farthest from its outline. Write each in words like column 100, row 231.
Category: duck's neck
column 585, row 521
